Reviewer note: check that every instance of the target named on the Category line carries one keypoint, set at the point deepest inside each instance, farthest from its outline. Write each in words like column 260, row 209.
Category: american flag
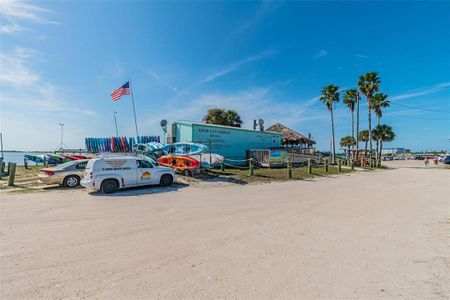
column 123, row 90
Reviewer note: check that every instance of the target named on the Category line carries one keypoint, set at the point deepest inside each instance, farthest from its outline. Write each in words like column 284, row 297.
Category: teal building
column 230, row 142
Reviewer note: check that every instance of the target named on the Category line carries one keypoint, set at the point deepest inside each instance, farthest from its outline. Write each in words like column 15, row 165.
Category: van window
column 81, row 166
column 143, row 164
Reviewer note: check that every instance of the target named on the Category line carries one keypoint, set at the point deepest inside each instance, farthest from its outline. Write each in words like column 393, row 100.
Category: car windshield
column 65, row 165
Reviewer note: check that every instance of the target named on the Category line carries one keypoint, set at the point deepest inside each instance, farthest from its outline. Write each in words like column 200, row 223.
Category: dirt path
column 383, row 234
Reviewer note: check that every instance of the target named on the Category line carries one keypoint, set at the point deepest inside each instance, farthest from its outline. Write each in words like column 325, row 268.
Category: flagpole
column 134, row 109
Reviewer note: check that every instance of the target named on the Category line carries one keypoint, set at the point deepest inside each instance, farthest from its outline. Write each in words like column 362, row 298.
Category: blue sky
column 60, row 61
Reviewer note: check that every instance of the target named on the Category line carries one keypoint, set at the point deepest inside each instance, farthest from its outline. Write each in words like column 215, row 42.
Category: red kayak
column 179, row 162
column 77, row 157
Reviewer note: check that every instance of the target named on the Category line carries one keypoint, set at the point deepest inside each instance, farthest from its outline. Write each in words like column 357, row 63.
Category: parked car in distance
column 68, row 174
column 446, row 160
column 110, row 174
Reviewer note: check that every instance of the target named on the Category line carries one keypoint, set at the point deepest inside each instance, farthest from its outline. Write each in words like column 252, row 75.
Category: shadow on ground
column 141, row 190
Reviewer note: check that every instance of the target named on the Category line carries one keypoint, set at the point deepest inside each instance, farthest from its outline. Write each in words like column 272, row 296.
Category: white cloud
column 423, row 91
column 321, row 53
column 235, row 66
column 11, row 28
column 23, row 87
column 362, row 56
column 13, row 12
column 163, row 82
column 14, row 69
column 265, row 8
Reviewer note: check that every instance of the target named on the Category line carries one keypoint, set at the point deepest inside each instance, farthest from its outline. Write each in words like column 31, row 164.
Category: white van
column 109, row 174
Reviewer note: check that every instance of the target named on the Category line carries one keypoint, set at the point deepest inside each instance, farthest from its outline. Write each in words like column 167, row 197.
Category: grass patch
column 265, row 175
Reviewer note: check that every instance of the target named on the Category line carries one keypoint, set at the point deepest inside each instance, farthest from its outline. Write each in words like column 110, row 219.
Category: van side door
column 145, row 172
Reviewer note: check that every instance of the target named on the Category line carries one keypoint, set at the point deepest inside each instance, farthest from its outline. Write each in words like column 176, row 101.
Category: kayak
column 184, row 148
column 208, row 160
column 35, row 158
column 179, row 162
column 76, row 157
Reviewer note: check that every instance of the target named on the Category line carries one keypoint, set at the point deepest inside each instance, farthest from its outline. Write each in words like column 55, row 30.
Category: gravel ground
column 364, row 235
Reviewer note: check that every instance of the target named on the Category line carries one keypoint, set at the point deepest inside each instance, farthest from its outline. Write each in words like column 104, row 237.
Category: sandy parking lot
column 383, row 234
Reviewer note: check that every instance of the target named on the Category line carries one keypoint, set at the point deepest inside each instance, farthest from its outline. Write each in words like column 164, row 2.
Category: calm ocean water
column 17, row 157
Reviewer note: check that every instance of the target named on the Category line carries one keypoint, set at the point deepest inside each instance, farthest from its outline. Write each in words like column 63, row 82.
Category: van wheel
column 110, row 186
column 166, row 180
column 71, row 181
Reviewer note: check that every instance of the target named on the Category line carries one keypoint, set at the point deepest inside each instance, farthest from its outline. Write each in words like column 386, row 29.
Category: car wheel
column 166, row 180
column 109, row 186
column 72, row 181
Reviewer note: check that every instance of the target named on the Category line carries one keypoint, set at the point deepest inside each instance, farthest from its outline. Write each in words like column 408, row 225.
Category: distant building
column 230, row 142
column 394, row 151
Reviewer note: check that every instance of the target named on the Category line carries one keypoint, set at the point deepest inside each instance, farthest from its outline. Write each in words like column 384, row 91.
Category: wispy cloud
column 265, row 8
column 163, row 82
column 14, row 12
column 235, row 66
column 14, row 69
column 321, row 53
column 423, row 91
column 362, row 56
column 22, row 86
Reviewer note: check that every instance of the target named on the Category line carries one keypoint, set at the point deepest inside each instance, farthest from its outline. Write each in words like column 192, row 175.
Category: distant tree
column 363, row 136
column 379, row 102
column 220, row 116
column 383, row 133
column 369, row 84
column 347, row 142
column 349, row 99
column 330, row 95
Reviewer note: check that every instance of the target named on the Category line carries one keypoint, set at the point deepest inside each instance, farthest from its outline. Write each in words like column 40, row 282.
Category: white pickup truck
column 110, row 174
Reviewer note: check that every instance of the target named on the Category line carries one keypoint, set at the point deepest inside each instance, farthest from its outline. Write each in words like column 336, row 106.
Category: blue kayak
column 184, row 148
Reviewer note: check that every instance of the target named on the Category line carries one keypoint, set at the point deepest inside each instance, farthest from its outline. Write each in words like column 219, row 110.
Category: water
column 17, row 157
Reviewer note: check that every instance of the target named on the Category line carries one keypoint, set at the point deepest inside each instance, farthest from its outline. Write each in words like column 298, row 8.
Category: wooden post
column 222, row 167
column 9, row 168
column 353, row 164
column 339, row 165
column 250, row 169
column 12, row 174
column 325, row 166
column 309, row 166
column 46, row 162
column 289, row 169
column 25, row 163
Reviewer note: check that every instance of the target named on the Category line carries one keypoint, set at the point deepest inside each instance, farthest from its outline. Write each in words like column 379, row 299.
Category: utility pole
column 61, row 144
column 115, row 122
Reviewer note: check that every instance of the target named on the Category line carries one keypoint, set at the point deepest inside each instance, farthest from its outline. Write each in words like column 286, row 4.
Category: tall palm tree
column 349, row 99
column 369, row 84
column 363, row 136
column 383, row 133
column 330, row 95
column 379, row 101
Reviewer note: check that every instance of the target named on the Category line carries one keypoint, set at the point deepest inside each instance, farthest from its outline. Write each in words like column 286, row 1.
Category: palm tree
column 379, row 101
column 350, row 98
column 347, row 142
column 383, row 133
column 369, row 84
column 363, row 136
column 220, row 116
column 330, row 94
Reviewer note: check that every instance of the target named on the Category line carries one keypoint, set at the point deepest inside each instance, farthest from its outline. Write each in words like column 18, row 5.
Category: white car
column 110, row 174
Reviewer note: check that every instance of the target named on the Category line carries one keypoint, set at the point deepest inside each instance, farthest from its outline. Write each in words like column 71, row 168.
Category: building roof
column 290, row 136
